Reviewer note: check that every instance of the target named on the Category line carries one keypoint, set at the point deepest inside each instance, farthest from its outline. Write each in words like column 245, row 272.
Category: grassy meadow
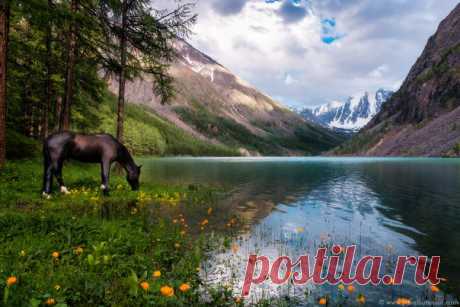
column 82, row 249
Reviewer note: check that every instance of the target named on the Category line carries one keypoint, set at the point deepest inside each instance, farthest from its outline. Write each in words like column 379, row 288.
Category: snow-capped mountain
column 351, row 115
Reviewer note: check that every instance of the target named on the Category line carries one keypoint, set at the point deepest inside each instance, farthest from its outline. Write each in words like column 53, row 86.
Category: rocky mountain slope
column 214, row 105
column 423, row 117
column 351, row 115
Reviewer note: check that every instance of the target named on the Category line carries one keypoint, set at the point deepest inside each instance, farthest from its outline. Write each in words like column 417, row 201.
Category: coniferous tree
column 4, row 28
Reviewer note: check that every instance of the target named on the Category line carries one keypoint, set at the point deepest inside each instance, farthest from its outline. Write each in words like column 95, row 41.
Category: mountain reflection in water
column 291, row 206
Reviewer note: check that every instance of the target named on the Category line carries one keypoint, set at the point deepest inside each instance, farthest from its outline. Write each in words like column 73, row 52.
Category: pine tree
column 4, row 28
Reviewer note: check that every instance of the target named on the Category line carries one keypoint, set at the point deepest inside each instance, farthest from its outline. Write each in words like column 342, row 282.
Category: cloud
column 292, row 11
column 298, row 53
column 228, row 7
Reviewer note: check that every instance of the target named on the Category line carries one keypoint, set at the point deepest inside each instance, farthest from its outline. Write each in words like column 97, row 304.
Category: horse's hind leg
column 57, row 167
column 47, row 175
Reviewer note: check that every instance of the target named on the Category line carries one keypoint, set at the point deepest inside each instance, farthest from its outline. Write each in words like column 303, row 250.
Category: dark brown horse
column 95, row 148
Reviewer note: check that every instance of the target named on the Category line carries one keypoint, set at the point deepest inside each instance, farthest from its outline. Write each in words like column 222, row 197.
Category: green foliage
column 20, row 147
column 83, row 249
column 457, row 149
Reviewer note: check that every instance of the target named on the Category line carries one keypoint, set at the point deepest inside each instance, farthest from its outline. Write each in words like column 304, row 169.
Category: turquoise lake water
column 291, row 206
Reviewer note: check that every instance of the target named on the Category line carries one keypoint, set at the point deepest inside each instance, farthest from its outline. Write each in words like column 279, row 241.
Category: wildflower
column 22, row 253
column 145, row 285
column 182, row 220
column 341, row 287
column 50, row 301
column 156, row 274
column 351, row 288
column 361, row 299
column 78, row 251
column 176, row 245
column 57, row 287
column 434, row 289
column 167, row 291
column 403, row 301
column 237, row 300
column 55, row 255
column 175, row 221
column 10, row 281
column 183, row 232
column 198, row 269
column 209, row 211
column 204, row 222
column 201, row 228
column 322, row 301
column 184, row 287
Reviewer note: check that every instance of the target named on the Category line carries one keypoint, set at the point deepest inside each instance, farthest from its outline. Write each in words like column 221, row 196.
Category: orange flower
column 322, row 301
column 209, row 211
column 55, row 255
column 51, row 301
column 204, row 222
column 184, row 287
column 156, row 274
column 167, row 291
column 238, row 300
column 351, row 288
column 403, row 301
column 361, row 299
column 78, row 251
column 434, row 289
column 12, row 280
column 145, row 285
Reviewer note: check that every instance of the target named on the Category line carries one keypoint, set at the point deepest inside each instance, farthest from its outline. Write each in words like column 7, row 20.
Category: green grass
column 106, row 246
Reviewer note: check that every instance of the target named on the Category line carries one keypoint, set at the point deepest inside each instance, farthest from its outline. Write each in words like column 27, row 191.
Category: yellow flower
column 145, row 285
column 361, row 299
column 22, row 253
column 156, row 274
column 55, row 255
column 322, row 301
column 434, row 289
column 50, row 301
column 184, row 287
column 57, row 287
column 175, row 221
column 341, row 287
column 78, row 251
column 176, row 245
column 12, row 280
column 351, row 288
column 183, row 232
column 167, row 291
column 403, row 301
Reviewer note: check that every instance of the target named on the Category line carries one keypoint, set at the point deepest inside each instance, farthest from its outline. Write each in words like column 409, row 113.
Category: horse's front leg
column 105, row 173
column 47, row 179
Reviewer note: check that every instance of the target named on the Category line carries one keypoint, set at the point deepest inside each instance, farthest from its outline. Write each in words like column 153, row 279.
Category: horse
column 87, row 148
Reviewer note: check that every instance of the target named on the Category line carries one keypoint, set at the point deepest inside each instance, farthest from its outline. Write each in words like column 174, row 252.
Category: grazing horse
column 95, row 148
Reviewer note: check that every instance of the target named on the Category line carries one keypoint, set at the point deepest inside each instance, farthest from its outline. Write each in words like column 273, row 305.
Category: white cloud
column 377, row 44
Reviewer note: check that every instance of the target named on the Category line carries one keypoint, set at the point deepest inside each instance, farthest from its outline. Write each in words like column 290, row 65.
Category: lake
column 291, row 206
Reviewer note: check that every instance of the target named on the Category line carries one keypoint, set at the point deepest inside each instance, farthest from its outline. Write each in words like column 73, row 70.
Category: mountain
column 351, row 115
column 423, row 117
column 214, row 105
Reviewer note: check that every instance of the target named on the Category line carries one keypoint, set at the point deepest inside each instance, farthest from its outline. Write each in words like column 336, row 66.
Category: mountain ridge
column 216, row 106
column 423, row 116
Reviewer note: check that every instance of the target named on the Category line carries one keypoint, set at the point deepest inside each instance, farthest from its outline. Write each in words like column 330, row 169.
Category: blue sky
column 309, row 52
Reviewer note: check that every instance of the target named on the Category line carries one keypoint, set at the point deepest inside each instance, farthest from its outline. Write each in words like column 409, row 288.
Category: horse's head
column 133, row 177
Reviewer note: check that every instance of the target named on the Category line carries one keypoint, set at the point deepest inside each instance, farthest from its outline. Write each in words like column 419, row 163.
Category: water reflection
column 292, row 206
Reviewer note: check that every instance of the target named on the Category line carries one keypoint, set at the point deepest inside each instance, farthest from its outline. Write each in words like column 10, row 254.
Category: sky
column 305, row 53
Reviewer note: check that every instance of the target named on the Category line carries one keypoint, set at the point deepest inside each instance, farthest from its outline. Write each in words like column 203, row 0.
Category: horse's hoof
column 64, row 190
column 46, row 195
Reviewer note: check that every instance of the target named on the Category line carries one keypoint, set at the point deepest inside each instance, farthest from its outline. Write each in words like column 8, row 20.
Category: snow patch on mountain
column 352, row 114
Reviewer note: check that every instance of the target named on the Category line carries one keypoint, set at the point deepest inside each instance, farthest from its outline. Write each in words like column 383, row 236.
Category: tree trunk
column 4, row 26
column 64, row 121
column 48, row 85
column 122, row 77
